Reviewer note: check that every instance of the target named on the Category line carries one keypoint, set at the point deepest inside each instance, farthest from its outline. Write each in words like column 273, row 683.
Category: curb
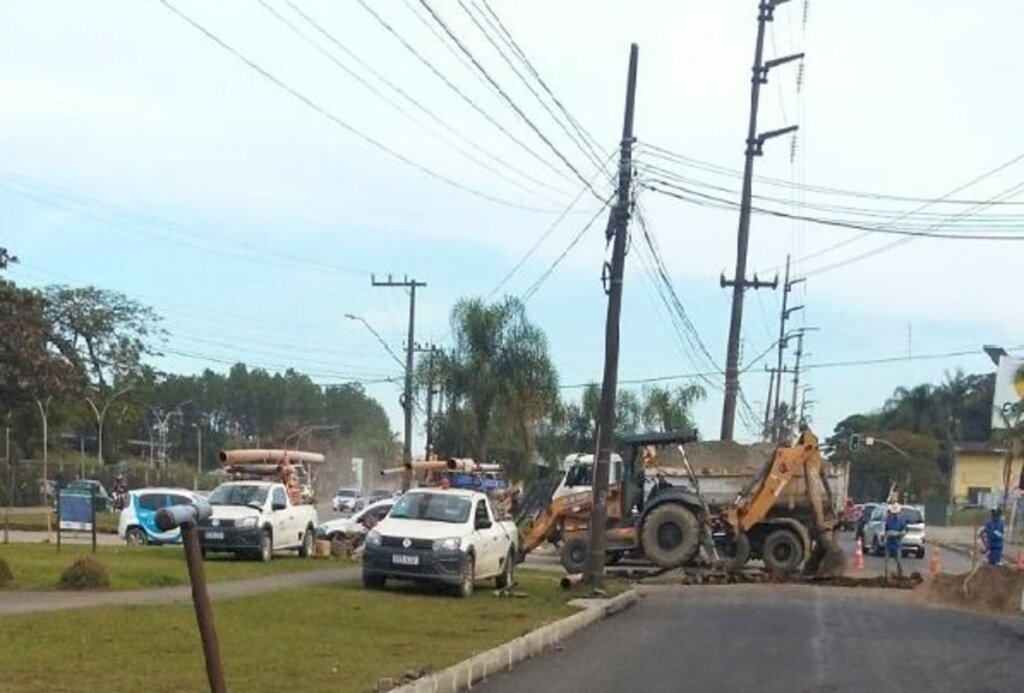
column 951, row 547
column 463, row 675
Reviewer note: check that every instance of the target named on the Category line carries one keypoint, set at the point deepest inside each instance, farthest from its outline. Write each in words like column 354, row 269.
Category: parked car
column 863, row 516
column 101, row 500
column 913, row 540
column 360, row 523
column 256, row 518
column 347, row 500
column 137, row 524
column 447, row 536
column 383, row 494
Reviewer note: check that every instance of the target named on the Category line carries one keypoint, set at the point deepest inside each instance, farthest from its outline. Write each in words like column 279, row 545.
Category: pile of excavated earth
column 995, row 589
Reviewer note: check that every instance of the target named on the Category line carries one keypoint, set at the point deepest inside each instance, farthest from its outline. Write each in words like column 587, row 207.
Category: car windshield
column 439, row 507
column 913, row 516
column 580, row 474
column 238, row 494
column 346, row 493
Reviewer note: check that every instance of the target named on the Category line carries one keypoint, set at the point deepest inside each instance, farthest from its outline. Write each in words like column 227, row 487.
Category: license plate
column 215, row 535
column 403, row 559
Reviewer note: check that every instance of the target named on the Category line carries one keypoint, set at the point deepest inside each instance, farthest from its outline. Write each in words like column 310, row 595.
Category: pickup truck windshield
column 241, row 494
column 438, row 507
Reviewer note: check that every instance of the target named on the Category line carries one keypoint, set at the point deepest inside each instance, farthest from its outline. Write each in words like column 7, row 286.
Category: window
column 180, row 500
column 481, row 512
column 439, row 507
column 239, row 494
column 278, row 497
column 152, row 501
column 380, row 512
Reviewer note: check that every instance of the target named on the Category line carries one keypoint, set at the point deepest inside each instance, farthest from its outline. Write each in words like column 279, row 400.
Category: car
column 101, row 500
column 382, row 494
column 913, row 540
column 357, row 524
column 137, row 523
column 347, row 500
column 447, row 536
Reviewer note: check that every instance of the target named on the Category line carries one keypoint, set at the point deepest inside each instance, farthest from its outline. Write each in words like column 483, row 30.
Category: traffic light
column 854, row 442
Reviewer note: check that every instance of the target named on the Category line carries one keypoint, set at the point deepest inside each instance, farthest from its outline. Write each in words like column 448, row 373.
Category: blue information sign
column 75, row 510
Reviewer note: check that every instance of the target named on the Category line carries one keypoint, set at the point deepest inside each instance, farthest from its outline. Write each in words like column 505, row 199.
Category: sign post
column 76, row 511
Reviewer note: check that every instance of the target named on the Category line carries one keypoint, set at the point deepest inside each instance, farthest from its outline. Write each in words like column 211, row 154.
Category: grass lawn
column 968, row 517
column 35, row 521
column 331, row 638
column 39, row 566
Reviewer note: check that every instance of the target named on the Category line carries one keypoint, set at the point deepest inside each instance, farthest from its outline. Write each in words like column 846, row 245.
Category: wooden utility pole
column 618, row 227
column 407, row 401
column 739, row 283
column 431, row 352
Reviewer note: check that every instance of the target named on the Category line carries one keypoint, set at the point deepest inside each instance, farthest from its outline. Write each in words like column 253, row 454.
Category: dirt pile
column 994, row 589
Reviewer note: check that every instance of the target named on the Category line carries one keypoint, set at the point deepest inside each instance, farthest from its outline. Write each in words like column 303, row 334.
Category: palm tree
column 669, row 409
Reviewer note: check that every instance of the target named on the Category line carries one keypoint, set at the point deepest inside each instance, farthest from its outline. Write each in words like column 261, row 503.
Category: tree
column 667, row 409
column 873, row 469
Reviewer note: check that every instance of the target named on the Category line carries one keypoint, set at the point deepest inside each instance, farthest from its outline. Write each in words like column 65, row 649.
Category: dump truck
column 782, row 516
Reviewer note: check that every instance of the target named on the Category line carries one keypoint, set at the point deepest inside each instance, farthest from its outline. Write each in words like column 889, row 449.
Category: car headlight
column 247, row 522
column 373, row 538
column 449, row 544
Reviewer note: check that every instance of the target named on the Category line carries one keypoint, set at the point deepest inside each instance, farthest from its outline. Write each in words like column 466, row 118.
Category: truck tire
column 306, row 548
column 266, row 552
column 508, row 573
column 738, row 554
column 671, row 535
column 783, row 552
column 574, row 554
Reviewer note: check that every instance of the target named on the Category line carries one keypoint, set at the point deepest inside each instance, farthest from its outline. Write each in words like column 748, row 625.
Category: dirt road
column 785, row 639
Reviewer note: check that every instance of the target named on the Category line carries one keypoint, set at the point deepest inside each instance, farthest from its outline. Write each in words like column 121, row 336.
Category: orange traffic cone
column 858, row 555
column 935, row 567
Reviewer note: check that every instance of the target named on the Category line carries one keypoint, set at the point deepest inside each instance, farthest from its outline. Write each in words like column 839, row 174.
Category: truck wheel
column 783, row 552
column 306, row 549
column 670, row 535
column 574, row 555
column 738, row 554
column 135, row 537
column 372, row 581
column 508, row 573
column 266, row 546
column 465, row 586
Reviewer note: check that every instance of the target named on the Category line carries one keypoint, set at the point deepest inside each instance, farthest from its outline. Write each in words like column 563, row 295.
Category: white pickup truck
column 447, row 536
column 256, row 518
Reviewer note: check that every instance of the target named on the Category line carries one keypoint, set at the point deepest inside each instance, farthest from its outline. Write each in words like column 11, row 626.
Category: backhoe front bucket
column 828, row 559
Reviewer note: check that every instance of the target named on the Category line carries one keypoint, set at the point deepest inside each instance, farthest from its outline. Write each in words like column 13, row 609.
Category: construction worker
column 895, row 529
column 992, row 537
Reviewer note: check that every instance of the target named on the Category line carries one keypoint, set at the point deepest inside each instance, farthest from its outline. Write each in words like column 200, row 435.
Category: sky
column 249, row 194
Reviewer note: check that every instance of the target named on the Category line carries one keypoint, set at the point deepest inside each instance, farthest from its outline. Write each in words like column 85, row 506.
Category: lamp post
column 199, row 456
column 100, row 414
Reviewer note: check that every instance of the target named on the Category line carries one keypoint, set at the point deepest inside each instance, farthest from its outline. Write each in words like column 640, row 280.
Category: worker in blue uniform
column 895, row 529
column 992, row 537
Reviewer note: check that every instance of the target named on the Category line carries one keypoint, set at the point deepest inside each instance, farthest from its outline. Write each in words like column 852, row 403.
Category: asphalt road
column 779, row 638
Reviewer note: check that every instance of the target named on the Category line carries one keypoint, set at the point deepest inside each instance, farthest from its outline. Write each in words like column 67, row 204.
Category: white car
column 913, row 540
column 356, row 524
column 347, row 500
column 447, row 536
column 137, row 523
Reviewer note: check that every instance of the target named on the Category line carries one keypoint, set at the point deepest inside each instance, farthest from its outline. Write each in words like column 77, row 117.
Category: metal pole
column 10, row 484
column 204, row 611
column 796, row 369
column 778, row 360
column 619, row 225
column 428, row 446
column 199, row 455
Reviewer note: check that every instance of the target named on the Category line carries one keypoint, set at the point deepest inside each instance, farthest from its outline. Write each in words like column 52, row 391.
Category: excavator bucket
column 828, row 559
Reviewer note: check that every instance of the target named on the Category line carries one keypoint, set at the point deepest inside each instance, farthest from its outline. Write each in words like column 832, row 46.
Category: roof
column 462, row 493
column 164, row 489
column 982, row 447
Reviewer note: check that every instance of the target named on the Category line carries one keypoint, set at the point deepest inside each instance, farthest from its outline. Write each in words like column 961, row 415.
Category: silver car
column 913, row 540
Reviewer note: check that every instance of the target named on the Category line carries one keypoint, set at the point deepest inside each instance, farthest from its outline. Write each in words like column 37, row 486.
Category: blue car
column 137, row 524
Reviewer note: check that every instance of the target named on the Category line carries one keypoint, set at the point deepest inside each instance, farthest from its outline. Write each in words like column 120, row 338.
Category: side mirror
column 483, row 523
column 278, row 506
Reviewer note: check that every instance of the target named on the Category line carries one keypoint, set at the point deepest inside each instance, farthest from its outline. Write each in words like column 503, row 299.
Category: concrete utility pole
column 410, row 345
column 796, row 368
column 432, row 351
column 618, row 228
column 783, row 318
column 740, row 282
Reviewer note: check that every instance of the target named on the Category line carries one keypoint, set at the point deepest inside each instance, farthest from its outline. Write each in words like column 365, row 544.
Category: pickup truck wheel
column 671, row 535
column 508, row 573
column 306, row 549
column 574, row 555
column 783, row 552
column 266, row 546
column 135, row 537
column 465, row 587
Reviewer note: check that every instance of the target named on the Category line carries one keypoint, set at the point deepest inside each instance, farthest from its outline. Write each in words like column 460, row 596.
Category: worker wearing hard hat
column 895, row 529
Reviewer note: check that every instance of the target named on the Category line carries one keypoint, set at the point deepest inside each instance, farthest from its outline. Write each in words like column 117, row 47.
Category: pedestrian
column 895, row 529
column 992, row 537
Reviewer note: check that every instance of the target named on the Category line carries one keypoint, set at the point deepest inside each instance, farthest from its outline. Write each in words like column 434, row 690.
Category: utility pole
column 410, row 345
column 796, row 368
column 755, row 143
column 783, row 318
column 766, row 430
column 431, row 350
column 618, row 228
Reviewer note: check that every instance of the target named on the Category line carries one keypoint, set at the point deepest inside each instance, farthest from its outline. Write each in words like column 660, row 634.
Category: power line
column 515, row 107
column 271, row 366
column 333, row 39
column 338, row 121
column 532, row 289
column 440, row 75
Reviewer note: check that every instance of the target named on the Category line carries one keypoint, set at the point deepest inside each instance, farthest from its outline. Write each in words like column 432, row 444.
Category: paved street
column 785, row 639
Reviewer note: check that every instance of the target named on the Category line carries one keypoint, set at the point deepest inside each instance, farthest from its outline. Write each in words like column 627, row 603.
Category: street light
column 100, row 414
column 380, row 339
column 161, row 427
column 199, row 455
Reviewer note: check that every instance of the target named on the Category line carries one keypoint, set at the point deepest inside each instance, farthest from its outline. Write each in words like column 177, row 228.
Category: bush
column 84, row 574
column 6, row 576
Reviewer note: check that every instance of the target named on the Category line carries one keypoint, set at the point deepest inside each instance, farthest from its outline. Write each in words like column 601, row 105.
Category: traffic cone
column 858, row 555
column 935, row 567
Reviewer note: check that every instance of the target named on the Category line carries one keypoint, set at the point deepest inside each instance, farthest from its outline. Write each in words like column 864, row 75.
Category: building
column 977, row 474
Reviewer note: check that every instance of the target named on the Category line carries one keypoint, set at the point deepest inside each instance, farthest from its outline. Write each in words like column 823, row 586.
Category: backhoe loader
column 783, row 517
